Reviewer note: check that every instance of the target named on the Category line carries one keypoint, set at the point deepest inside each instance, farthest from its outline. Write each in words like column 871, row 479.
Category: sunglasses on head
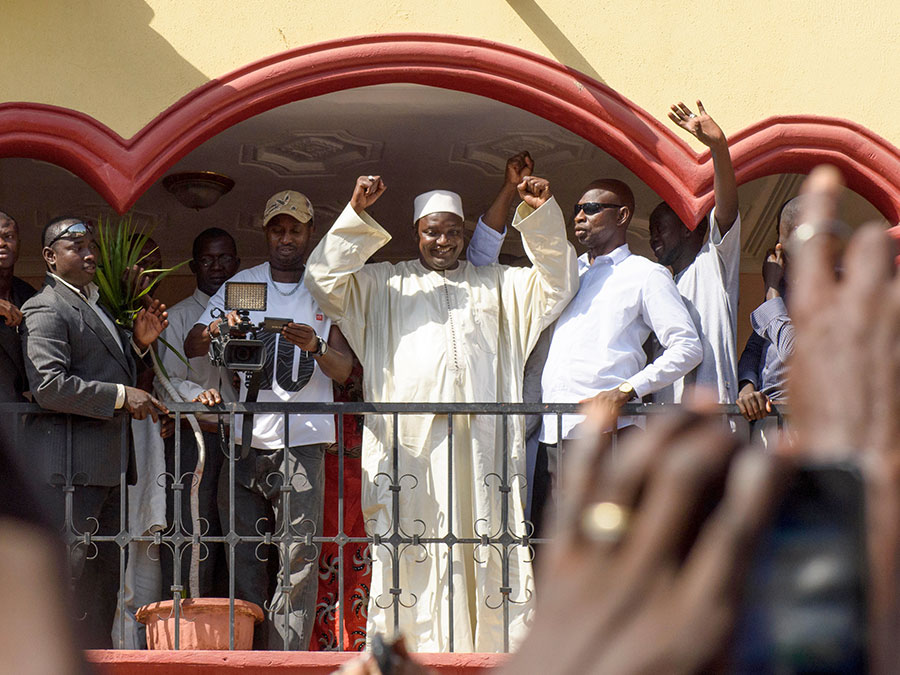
column 591, row 208
column 75, row 229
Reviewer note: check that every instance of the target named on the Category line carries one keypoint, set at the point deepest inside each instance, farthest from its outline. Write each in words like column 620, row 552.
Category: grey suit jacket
column 73, row 365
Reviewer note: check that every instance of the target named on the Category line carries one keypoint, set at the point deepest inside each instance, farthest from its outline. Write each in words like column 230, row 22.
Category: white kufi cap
column 437, row 201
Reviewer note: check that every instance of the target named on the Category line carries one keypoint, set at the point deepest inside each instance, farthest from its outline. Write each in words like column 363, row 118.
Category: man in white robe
column 438, row 329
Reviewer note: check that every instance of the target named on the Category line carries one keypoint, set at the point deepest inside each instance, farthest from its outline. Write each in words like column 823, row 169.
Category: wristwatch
column 627, row 388
column 322, row 347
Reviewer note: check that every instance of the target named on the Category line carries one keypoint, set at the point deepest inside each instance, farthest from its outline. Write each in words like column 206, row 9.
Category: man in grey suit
column 80, row 363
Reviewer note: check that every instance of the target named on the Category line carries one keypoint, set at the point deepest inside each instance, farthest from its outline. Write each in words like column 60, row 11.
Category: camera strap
column 253, row 385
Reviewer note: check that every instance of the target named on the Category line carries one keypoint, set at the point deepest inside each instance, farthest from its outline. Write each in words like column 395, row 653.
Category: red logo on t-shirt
column 320, row 317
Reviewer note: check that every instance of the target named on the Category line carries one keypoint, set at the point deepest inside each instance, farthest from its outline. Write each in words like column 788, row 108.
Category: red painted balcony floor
column 124, row 662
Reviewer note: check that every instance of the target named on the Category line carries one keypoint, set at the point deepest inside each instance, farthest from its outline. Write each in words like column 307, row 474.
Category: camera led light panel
column 249, row 295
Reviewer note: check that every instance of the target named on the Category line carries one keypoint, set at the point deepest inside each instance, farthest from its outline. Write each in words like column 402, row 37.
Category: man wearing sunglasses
column 80, row 363
column 596, row 348
column 706, row 270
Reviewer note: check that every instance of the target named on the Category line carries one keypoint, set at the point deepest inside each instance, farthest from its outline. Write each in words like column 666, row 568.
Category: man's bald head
column 6, row 219
column 789, row 218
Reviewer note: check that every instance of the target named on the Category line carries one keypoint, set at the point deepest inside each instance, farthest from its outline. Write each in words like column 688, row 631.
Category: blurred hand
column 845, row 382
column 534, row 191
column 403, row 663
column 10, row 313
column 701, row 126
column 663, row 596
column 366, row 192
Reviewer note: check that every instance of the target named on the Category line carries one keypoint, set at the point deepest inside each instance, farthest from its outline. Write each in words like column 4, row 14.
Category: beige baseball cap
column 293, row 203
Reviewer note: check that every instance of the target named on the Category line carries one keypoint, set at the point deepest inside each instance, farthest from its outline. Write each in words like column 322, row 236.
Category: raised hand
column 773, row 272
column 534, row 191
column 10, row 313
column 149, row 323
column 518, row 168
column 366, row 192
column 700, row 125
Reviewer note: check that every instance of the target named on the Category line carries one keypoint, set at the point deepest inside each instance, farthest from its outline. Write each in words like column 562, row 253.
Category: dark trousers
column 546, row 476
column 213, row 567
column 93, row 568
column 283, row 578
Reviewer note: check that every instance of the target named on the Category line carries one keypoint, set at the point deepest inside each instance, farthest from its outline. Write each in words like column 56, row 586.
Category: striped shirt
column 764, row 359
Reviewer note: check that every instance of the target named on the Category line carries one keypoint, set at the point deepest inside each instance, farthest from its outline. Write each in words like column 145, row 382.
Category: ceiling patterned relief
column 555, row 149
column 758, row 218
column 306, row 153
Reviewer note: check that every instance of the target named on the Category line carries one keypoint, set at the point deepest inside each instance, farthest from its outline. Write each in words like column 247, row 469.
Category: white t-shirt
column 709, row 286
column 294, row 376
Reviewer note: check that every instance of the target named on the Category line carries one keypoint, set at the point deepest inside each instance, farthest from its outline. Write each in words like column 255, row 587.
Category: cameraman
column 299, row 367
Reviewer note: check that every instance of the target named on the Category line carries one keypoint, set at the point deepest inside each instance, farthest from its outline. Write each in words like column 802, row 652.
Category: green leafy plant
column 122, row 291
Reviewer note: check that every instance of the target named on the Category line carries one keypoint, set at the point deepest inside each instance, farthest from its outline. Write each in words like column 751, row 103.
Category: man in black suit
column 13, row 293
column 80, row 363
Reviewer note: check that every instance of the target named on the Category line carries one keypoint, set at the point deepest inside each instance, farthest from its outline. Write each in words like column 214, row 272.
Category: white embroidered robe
column 456, row 336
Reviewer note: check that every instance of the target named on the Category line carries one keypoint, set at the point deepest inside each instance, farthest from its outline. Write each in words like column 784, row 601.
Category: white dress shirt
column 598, row 340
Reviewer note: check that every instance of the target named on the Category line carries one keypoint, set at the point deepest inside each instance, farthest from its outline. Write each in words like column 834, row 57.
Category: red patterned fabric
column 328, row 633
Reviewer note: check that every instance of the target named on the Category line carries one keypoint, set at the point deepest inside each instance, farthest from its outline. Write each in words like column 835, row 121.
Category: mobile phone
column 804, row 607
column 274, row 324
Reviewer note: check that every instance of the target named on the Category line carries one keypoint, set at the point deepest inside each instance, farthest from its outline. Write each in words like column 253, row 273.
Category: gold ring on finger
column 605, row 522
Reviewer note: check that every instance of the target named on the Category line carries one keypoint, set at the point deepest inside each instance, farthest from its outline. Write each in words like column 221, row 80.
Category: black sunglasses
column 77, row 228
column 591, row 208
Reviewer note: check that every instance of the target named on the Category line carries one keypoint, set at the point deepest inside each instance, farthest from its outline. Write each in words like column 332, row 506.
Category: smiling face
column 668, row 235
column 9, row 242
column 441, row 240
column 288, row 240
column 73, row 259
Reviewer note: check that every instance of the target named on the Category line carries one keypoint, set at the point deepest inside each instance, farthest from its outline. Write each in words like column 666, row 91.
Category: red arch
column 121, row 170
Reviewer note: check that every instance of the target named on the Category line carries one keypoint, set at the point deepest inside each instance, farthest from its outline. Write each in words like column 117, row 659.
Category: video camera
column 237, row 347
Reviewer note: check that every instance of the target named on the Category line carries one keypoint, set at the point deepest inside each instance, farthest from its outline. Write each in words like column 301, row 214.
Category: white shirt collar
column 89, row 294
column 614, row 257
column 200, row 297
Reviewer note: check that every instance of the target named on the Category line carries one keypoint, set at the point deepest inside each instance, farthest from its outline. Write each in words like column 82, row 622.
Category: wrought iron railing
column 179, row 540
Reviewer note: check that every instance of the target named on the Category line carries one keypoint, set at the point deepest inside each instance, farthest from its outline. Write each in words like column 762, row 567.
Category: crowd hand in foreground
column 845, row 381
column 644, row 573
